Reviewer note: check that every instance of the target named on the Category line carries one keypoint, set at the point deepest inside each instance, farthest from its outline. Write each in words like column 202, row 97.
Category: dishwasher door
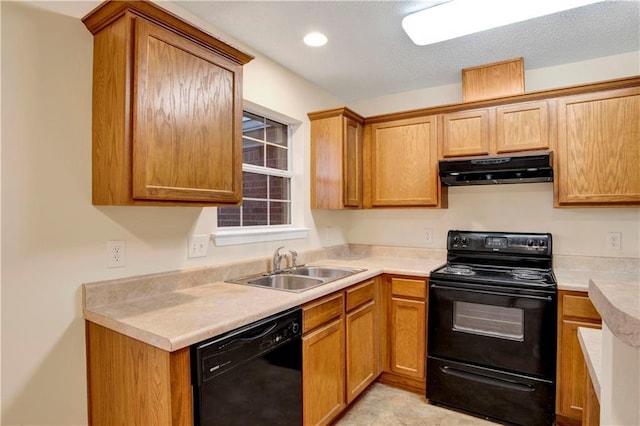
column 252, row 375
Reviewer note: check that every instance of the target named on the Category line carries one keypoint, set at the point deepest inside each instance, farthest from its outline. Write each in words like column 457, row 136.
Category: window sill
column 247, row 236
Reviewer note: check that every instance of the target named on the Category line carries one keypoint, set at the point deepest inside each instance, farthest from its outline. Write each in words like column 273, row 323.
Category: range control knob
column 456, row 240
column 295, row 327
column 542, row 243
column 464, row 241
column 530, row 243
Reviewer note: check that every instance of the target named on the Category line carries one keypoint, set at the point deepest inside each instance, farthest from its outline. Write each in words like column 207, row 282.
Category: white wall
column 521, row 207
column 53, row 239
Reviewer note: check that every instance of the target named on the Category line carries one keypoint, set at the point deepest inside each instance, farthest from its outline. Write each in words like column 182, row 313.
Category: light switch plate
column 198, row 245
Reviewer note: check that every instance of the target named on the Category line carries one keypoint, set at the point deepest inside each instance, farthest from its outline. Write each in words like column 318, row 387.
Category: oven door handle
column 523, row 387
column 495, row 293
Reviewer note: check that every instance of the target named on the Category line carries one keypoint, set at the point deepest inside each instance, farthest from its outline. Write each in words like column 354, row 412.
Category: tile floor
column 383, row 405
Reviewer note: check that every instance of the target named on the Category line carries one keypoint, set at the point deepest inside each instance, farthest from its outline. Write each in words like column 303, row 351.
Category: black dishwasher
column 251, row 375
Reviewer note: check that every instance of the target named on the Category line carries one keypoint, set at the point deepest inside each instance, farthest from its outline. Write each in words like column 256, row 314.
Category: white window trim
column 228, row 236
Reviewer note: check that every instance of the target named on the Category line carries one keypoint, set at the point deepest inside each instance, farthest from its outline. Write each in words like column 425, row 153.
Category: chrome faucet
column 294, row 258
column 277, row 259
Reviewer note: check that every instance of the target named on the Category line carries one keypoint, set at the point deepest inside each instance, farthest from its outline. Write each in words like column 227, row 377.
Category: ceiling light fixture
column 457, row 18
column 315, row 39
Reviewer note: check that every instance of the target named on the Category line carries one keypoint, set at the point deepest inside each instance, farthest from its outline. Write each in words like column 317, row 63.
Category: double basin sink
column 298, row 279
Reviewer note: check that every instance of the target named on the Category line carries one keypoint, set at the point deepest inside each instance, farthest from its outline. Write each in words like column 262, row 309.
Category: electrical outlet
column 614, row 240
column 198, row 245
column 428, row 235
column 116, row 254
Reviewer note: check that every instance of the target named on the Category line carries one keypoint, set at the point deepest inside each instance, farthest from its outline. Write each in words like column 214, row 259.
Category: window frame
column 232, row 235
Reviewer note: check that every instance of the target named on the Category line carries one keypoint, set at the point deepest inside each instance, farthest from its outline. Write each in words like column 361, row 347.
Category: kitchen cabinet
column 574, row 310
column 508, row 128
column 362, row 344
column 167, row 110
column 407, row 332
column 401, row 158
column 336, row 159
column 143, row 385
column 323, row 361
column 598, row 149
column 340, row 350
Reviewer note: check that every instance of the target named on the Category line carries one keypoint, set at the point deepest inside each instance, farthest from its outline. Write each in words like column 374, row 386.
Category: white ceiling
column 369, row 54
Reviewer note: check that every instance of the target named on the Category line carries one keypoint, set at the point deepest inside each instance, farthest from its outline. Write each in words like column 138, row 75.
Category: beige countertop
column 591, row 344
column 617, row 299
column 177, row 319
column 174, row 310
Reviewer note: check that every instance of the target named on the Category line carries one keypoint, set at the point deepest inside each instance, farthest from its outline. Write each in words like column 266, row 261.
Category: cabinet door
column 404, row 163
column 599, row 148
column 408, row 337
column 323, row 372
column 352, row 160
column 187, row 115
column 571, row 370
column 361, row 349
column 466, row 133
column 522, row 127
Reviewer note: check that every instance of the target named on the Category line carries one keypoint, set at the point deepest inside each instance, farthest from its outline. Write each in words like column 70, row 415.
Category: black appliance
column 516, row 168
column 492, row 327
column 251, row 375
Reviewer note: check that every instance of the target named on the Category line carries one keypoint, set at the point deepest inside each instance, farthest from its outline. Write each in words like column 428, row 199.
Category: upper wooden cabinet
column 336, row 159
column 167, row 110
column 497, row 130
column 402, row 164
column 598, row 148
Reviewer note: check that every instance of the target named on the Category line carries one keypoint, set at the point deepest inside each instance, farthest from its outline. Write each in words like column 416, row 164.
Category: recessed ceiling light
column 315, row 39
column 457, row 18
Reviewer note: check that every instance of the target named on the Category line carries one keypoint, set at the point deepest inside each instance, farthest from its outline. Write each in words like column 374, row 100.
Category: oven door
column 493, row 326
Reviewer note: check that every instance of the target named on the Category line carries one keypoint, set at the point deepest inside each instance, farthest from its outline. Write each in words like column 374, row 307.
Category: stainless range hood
column 518, row 168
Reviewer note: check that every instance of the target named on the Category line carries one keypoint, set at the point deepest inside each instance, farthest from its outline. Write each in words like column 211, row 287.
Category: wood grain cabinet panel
column 361, row 349
column 131, row 382
column 340, row 350
column 574, row 310
column 406, row 322
column 497, row 130
column 466, row 133
column 404, row 163
column 522, row 127
column 167, row 110
column 599, row 148
column 323, row 374
column 336, row 159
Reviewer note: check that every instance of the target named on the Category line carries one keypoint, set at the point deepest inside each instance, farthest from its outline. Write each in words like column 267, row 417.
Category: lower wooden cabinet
column 407, row 332
column 323, row 377
column 131, row 382
column 574, row 310
column 340, row 351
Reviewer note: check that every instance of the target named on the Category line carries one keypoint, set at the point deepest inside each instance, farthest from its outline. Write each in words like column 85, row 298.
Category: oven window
column 489, row 320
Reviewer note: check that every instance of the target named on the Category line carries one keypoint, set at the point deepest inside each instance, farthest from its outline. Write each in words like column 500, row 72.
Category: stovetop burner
column 458, row 270
column 527, row 274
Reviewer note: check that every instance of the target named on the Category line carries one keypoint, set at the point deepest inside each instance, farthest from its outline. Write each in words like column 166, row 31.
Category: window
column 266, row 174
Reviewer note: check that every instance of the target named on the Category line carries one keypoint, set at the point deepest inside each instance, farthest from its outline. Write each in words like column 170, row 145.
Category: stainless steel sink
column 332, row 272
column 298, row 279
column 286, row 282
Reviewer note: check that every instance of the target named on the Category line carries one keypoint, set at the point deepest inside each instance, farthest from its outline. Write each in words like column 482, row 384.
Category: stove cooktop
column 524, row 277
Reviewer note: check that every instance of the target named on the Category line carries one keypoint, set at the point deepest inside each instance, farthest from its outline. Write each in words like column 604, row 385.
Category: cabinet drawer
column 360, row 294
column 408, row 287
column 322, row 311
column 578, row 306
